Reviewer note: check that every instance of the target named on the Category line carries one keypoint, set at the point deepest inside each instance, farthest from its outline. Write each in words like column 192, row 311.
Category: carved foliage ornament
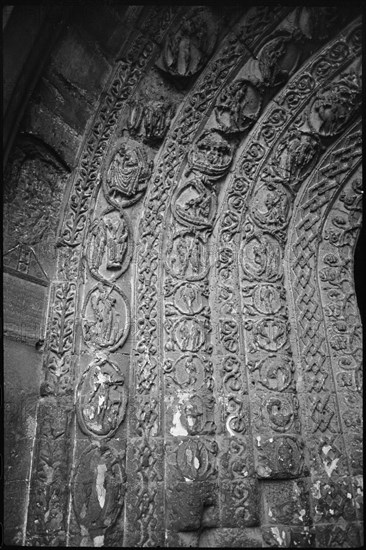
column 126, row 173
column 101, row 399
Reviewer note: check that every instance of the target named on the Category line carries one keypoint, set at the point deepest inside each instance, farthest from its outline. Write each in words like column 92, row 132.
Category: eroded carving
column 101, row 399
column 211, row 154
column 106, row 317
column 194, row 204
column 238, row 107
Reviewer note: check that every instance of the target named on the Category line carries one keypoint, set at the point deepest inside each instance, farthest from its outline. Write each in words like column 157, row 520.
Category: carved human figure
column 188, row 294
column 98, row 240
column 127, row 174
column 195, row 255
column 195, row 336
column 191, row 369
column 185, row 334
column 105, row 327
column 116, row 243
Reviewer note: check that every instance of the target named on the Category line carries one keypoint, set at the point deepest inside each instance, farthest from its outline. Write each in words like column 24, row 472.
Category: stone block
column 14, row 511
column 286, row 502
column 191, row 506
column 341, row 535
column 144, row 525
column 235, row 458
column 332, row 500
column 239, row 502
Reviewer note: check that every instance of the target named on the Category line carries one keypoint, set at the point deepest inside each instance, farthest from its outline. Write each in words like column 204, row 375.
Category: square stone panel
column 327, row 456
column 235, row 459
column 144, row 525
column 286, row 502
column 341, row 535
column 332, row 501
column 239, row 503
column 145, row 460
column 191, row 506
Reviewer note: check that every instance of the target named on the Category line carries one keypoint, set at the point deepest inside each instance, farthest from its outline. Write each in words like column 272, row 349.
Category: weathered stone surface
column 192, row 282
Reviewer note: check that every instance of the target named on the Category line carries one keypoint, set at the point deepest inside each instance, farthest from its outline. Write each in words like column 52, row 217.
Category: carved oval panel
column 187, row 256
column 109, row 246
column 194, row 204
column 194, row 460
column 98, row 488
column 126, row 173
column 189, row 334
column 106, row 317
column 238, row 107
column 261, row 258
column 101, row 399
column 270, row 206
column 279, row 457
column 211, row 154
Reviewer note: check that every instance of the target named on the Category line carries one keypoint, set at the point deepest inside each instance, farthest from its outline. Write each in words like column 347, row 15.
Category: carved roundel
column 188, row 298
column 187, row 256
column 238, row 107
column 270, row 333
column 98, row 488
column 187, row 371
column 276, row 373
column 189, row 334
column 335, row 105
column 126, row 173
column 109, row 246
column 211, row 154
column 267, row 299
column 296, row 155
column 106, row 317
column 194, row 205
column 270, row 206
column 101, row 399
column 261, row 258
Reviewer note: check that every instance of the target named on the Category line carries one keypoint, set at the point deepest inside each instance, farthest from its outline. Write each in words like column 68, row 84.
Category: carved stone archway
column 201, row 363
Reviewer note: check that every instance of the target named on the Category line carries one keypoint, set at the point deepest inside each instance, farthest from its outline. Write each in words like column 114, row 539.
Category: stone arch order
column 186, row 423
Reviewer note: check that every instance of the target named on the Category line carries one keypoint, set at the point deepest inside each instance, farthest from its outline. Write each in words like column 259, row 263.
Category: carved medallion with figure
column 295, row 156
column 211, row 154
column 266, row 299
column 261, row 258
column 126, row 173
column 270, row 206
column 101, row 399
column 109, row 246
column 238, row 106
column 106, row 317
column 187, row 256
column 194, row 204
column 278, row 59
column 189, row 334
